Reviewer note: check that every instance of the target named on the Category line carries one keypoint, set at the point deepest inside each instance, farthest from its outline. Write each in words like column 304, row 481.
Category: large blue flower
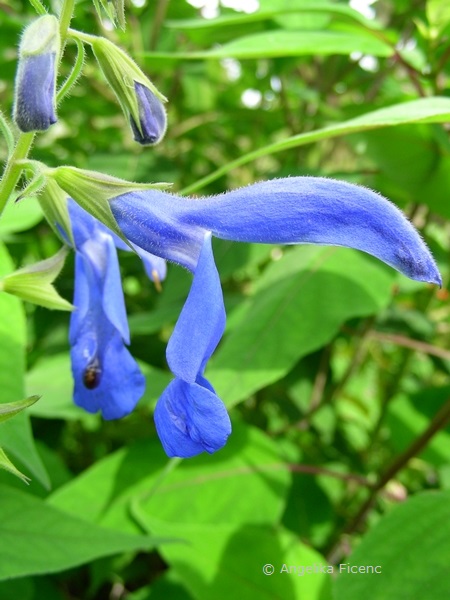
column 106, row 376
column 189, row 416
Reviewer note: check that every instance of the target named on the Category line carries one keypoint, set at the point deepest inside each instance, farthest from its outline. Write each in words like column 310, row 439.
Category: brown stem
column 403, row 340
column 357, row 357
column 315, row 470
column 320, row 381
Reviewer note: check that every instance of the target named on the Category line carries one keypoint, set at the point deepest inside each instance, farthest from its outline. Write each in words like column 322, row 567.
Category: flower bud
column 141, row 102
column 35, row 105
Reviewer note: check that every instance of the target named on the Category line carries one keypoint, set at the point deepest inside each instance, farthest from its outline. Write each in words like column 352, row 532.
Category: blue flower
column 152, row 117
column 190, row 418
column 106, row 376
column 34, row 105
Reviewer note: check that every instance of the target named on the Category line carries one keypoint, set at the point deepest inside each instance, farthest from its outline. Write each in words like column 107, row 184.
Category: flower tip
column 152, row 117
column 191, row 419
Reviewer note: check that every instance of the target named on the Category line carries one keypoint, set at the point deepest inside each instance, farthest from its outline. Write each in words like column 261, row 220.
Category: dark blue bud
column 35, row 94
column 152, row 117
column 34, row 108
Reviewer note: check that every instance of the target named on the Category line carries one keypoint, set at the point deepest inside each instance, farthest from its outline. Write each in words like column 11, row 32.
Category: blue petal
column 201, row 322
column 152, row 220
column 320, row 211
column 152, row 117
column 81, row 298
column 119, row 384
column 87, row 226
column 296, row 210
column 101, row 267
column 34, row 108
column 191, row 419
column 112, row 293
column 106, row 376
column 155, row 267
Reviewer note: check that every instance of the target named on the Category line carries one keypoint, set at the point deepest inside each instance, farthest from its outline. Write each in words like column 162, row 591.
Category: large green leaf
column 225, row 561
column 222, row 488
column 16, row 437
column 37, row 538
column 411, row 545
column 300, row 303
column 423, row 110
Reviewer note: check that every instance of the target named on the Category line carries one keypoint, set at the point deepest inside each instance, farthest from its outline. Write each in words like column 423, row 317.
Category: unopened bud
column 35, row 105
column 140, row 100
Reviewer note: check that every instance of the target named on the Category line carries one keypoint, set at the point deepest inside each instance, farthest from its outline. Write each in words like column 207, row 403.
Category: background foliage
column 335, row 368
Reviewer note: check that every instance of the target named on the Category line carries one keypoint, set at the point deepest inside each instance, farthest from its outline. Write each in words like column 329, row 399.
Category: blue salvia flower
column 106, row 376
column 190, row 418
column 34, row 103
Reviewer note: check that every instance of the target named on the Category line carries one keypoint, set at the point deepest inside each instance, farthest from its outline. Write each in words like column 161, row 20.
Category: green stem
column 13, row 170
column 73, row 75
column 83, row 37
column 38, row 7
column 64, row 20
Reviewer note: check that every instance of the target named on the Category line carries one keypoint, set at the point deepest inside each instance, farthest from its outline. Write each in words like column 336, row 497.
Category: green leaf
column 438, row 15
column 37, row 538
column 423, row 110
column 411, row 545
column 270, row 44
column 226, row 561
column 10, row 409
column 300, row 303
column 117, row 491
column 7, row 465
column 16, row 436
column 409, row 416
column 293, row 8
column 17, row 588
column 20, row 216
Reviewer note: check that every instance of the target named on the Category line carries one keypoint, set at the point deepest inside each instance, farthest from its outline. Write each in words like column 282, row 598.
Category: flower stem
column 64, row 20
column 14, row 170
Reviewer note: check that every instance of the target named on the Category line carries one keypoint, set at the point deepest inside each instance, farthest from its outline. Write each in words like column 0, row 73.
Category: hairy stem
column 14, row 170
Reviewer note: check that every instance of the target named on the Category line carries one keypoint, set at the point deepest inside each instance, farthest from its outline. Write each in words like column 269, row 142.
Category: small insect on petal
column 92, row 375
